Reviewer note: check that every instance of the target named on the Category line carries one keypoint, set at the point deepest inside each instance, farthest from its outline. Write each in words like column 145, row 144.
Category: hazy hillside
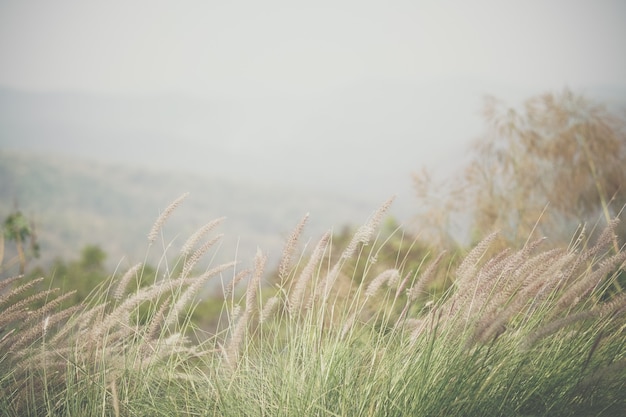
column 362, row 141
column 77, row 202
column 263, row 161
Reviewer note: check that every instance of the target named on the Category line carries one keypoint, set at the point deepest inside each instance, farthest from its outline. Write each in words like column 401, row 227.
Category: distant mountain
column 76, row 202
column 362, row 141
column 96, row 169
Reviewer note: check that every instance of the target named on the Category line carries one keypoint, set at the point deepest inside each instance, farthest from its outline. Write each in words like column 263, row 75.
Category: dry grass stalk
column 121, row 314
column 230, row 288
column 348, row 324
column 6, row 282
column 253, row 286
column 195, row 257
column 389, row 276
column 290, row 246
column 125, row 280
column 504, row 306
column 192, row 289
column 424, row 279
column 616, row 306
column 269, row 308
column 79, row 323
column 532, row 291
column 195, row 238
column 49, row 306
column 584, row 286
column 554, row 326
column 403, row 284
column 158, row 224
column 362, row 236
column 18, row 311
column 297, row 293
column 28, row 337
column 19, row 290
column 467, row 269
column 156, row 321
column 364, row 233
column 232, row 350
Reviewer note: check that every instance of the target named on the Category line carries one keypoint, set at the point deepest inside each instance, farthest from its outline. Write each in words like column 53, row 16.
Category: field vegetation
column 374, row 321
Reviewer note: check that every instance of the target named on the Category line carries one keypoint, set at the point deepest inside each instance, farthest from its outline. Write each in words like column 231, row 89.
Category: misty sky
column 303, row 48
column 351, row 96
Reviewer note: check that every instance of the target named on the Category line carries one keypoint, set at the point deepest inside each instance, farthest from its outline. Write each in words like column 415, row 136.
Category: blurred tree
column 92, row 258
column 556, row 164
column 17, row 228
column 82, row 275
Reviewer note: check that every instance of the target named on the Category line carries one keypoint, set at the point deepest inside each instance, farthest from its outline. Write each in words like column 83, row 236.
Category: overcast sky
column 303, row 48
column 349, row 83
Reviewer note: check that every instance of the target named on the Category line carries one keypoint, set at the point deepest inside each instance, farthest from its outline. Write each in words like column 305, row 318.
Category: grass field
column 520, row 332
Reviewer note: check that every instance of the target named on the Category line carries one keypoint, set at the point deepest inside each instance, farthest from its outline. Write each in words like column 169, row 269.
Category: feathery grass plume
column 195, row 238
column 364, row 233
column 554, row 326
column 531, row 293
column 192, row 289
column 175, row 344
column 231, row 351
column 18, row 311
column 297, row 293
column 158, row 224
column 31, row 335
column 269, row 307
column 580, row 289
column 418, row 288
column 485, row 284
column 474, row 289
column 521, row 284
column 50, row 305
column 515, row 262
column 230, row 288
column 4, row 283
column 290, row 246
column 348, row 324
column 536, row 265
column 193, row 259
column 603, row 242
column 616, row 306
column 403, row 284
column 79, row 323
column 237, row 336
column 19, row 290
column 157, row 320
column 607, row 237
column 497, row 289
column 121, row 314
column 552, row 281
column 235, row 313
column 253, row 286
column 466, row 270
column 424, row 279
column 363, row 236
column 123, row 282
column 389, row 276
column 114, row 398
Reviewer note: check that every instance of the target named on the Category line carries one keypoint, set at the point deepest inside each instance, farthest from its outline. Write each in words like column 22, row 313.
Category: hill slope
column 77, row 202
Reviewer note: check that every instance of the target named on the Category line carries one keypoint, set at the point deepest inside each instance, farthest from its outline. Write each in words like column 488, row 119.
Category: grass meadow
column 528, row 331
